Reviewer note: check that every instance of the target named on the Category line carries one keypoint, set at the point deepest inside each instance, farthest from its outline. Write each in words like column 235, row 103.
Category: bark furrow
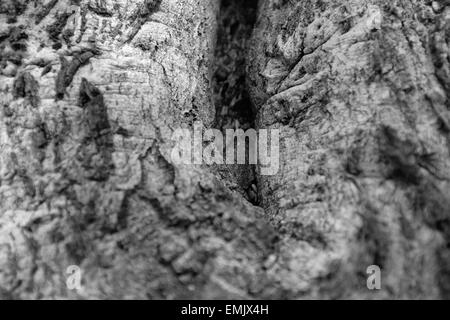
column 91, row 92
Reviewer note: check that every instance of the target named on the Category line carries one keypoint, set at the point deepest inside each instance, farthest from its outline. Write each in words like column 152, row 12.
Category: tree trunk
column 360, row 91
column 92, row 91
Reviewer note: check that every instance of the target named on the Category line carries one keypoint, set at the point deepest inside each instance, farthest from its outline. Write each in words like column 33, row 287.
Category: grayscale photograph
column 211, row 150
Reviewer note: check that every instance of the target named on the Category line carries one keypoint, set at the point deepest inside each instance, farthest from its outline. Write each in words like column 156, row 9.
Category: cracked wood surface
column 91, row 91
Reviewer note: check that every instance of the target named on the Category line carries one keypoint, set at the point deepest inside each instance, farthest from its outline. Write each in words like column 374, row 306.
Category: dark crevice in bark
column 234, row 109
column 91, row 164
column 55, row 29
column 13, row 48
column 26, row 86
column 68, row 71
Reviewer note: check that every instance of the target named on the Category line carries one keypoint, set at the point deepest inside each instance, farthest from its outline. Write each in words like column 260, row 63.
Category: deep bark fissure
column 234, row 108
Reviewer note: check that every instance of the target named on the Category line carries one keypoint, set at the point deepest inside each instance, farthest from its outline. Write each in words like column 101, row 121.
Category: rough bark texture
column 90, row 98
column 91, row 91
column 359, row 90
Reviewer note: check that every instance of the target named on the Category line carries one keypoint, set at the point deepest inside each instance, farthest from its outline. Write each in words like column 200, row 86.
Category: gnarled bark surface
column 89, row 103
column 92, row 90
column 359, row 90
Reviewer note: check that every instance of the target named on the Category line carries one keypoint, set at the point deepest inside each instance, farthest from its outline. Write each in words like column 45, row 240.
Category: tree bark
column 360, row 91
column 91, row 95
column 92, row 90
